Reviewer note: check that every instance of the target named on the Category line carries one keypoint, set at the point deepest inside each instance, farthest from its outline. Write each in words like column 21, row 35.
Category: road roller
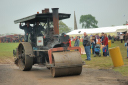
column 50, row 48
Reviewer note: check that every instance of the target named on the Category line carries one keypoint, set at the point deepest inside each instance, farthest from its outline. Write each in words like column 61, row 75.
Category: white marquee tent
column 113, row 29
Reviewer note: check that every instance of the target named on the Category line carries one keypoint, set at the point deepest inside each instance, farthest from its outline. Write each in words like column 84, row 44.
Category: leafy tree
column 63, row 28
column 88, row 21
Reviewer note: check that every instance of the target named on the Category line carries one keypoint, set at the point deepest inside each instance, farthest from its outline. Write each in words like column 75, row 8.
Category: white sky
column 106, row 12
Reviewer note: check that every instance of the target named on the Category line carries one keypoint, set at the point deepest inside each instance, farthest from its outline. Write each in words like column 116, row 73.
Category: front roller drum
column 24, row 61
column 25, row 64
column 56, row 72
column 66, row 63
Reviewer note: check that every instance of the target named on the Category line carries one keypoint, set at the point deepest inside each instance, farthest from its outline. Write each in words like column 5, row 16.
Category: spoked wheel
column 25, row 62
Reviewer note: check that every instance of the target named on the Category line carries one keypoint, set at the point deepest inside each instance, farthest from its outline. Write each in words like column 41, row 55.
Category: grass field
column 6, row 49
column 6, row 52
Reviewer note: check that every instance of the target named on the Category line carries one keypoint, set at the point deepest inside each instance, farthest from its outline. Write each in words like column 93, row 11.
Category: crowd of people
column 12, row 39
column 123, row 37
column 97, row 43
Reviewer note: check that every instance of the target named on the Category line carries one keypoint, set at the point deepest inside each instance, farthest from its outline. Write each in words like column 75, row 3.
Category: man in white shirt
column 121, row 38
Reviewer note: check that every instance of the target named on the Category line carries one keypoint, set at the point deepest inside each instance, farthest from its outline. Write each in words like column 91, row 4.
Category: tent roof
column 99, row 30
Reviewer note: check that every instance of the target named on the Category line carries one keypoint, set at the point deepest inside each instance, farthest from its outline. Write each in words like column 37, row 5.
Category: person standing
column 104, row 51
column 113, row 39
column 93, row 44
column 102, row 38
column 37, row 29
column 121, row 38
column 69, row 42
column 127, row 49
column 126, row 37
column 71, row 38
column 97, row 36
column 86, row 44
column 27, row 29
column 109, row 37
column 98, row 41
column 76, row 42
column 106, row 44
column 126, row 44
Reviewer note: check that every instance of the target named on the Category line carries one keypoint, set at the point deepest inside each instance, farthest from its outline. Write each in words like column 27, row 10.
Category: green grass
column 6, row 49
column 106, row 62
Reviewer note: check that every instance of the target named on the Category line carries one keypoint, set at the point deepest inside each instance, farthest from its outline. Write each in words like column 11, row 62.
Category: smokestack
column 46, row 10
column 55, row 21
column 43, row 11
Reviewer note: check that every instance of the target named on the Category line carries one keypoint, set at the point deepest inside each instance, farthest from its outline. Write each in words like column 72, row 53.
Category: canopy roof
column 99, row 30
column 122, row 29
column 41, row 18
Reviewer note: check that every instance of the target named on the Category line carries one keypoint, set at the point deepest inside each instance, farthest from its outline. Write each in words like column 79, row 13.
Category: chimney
column 55, row 20
column 46, row 10
column 43, row 11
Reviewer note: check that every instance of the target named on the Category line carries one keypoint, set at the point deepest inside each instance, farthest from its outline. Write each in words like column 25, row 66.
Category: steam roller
column 66, row 63
column 47, row 47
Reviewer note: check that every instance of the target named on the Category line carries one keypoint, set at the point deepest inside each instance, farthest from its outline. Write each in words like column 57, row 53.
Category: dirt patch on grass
column 6, row 61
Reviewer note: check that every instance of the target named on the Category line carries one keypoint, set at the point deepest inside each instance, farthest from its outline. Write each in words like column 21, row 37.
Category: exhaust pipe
column 55, row 21
column 46, row 10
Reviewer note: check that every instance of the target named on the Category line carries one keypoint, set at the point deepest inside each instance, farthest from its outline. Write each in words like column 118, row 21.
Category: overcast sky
column 106, row 12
